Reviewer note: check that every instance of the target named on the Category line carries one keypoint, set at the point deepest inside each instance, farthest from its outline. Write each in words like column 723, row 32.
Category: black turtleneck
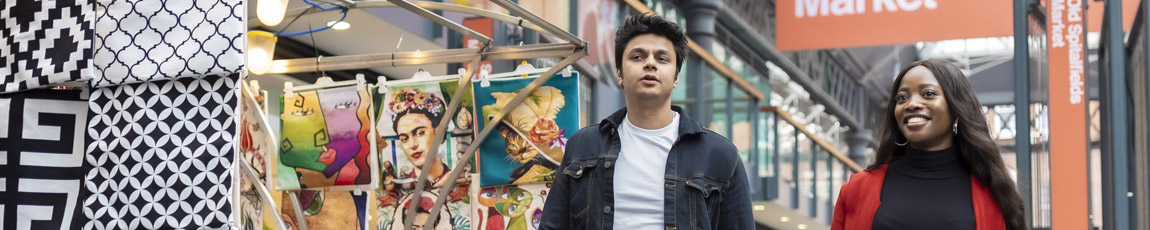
column 926, row 190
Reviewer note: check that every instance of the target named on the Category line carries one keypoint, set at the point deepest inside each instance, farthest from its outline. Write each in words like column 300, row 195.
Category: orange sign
column 1066, row 45
column 822, row 24
column 484, row 26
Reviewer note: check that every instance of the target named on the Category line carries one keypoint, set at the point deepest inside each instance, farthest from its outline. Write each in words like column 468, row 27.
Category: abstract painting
column 326, row 210
column 527, row 146
column 511, row 207
column 409, row 116
column 326, row 139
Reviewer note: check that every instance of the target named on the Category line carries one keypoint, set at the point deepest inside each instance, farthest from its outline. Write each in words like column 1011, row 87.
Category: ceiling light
column 271, row 12
column 802, row 226
column 340, row 25
column 785, row 219
column 759, row 207
column 261, row 48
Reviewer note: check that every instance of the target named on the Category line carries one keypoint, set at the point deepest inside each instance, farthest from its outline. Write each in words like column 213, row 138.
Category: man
column 649, row 166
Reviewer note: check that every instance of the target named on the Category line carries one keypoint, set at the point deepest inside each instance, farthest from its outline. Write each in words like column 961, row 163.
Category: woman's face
column 921, row 111
column 415, row 136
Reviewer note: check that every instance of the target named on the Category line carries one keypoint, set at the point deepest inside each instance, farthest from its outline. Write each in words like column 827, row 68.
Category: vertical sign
column 484, row 26
column 1068, row 101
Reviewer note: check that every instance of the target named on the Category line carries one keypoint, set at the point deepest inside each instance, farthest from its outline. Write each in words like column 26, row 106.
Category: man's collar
column 686, row 125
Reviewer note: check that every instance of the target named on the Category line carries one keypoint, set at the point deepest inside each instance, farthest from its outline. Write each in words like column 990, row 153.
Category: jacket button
column 608, row 164
column 606, row 209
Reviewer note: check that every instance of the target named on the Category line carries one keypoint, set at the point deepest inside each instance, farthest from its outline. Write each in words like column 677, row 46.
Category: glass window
column 741, row 125
column 720, row 119
column 679, row 94
column 787, row 152
column 822, row 180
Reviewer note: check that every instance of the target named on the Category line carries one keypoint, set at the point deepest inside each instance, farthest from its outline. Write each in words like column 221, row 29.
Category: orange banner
column 822, row 24
column 1066, row 44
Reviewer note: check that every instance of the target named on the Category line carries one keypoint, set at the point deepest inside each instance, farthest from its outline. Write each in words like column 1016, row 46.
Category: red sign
column 822, row 24
column 1066, row 44
column 483, row 26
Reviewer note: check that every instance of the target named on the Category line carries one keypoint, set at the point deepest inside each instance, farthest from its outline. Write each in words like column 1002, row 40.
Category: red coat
column 859, row 199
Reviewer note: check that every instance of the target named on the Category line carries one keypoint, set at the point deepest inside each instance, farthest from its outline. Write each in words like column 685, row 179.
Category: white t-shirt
column 639, row 174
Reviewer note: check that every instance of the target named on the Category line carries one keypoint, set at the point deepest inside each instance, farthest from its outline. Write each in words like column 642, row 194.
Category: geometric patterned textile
column 44, row 42
column 42, row 159
column 146, row 40
column 162, row 154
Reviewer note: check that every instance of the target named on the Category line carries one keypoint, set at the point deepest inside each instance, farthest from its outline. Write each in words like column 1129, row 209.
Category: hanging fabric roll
column 44, row 43
column 147, row 40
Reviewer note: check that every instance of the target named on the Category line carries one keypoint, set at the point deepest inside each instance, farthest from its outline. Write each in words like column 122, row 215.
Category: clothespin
column 567, row 71
column 381, row 81
column 288, row 93
column 359, row 82
column 254, row 85
column 483, row 82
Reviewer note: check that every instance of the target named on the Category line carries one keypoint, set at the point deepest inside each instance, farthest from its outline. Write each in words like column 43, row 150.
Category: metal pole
column 773, row 183
column 795, row 171
column 1022, row 105
column 814, row 210
column 753, row 168
column 1114, row 126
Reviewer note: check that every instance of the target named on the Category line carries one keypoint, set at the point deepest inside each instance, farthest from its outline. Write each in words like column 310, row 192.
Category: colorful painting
column 256, row 145
column 326, row 139
column 324, row 210
column 528, row 144
column 409, row 115
column 511, row 207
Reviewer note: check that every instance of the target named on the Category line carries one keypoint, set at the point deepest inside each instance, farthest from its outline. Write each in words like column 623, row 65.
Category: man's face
column 648, row 68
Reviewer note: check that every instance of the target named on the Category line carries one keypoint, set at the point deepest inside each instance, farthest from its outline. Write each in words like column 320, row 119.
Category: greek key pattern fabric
column 145, row 40
column 44, row 42
column 162, row 154
column 42, row 159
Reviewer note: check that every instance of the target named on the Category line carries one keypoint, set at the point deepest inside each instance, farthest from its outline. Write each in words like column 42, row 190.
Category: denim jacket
column 705, row 184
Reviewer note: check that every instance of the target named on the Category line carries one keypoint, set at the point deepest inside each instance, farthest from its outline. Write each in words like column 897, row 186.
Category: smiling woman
column 937, row 142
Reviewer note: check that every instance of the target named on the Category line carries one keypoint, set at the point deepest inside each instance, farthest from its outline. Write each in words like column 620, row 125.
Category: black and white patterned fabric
column 44, row 42
column 42, row 159
column 162, row 154
column 145, row 40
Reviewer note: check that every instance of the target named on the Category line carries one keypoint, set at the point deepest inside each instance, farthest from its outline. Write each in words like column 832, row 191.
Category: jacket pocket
column 705, row 195
column 582, row 174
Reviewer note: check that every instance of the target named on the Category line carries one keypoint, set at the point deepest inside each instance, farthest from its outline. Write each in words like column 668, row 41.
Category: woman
column 416, row 115
column 945, row 172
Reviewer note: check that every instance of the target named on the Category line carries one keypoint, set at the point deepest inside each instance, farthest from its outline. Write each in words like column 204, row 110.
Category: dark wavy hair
column 972, row 141
column 650, row 23
column 433, row 117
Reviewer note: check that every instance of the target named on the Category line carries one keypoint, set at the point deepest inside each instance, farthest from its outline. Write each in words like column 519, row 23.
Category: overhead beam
column 252, row 22
column 347, row 62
